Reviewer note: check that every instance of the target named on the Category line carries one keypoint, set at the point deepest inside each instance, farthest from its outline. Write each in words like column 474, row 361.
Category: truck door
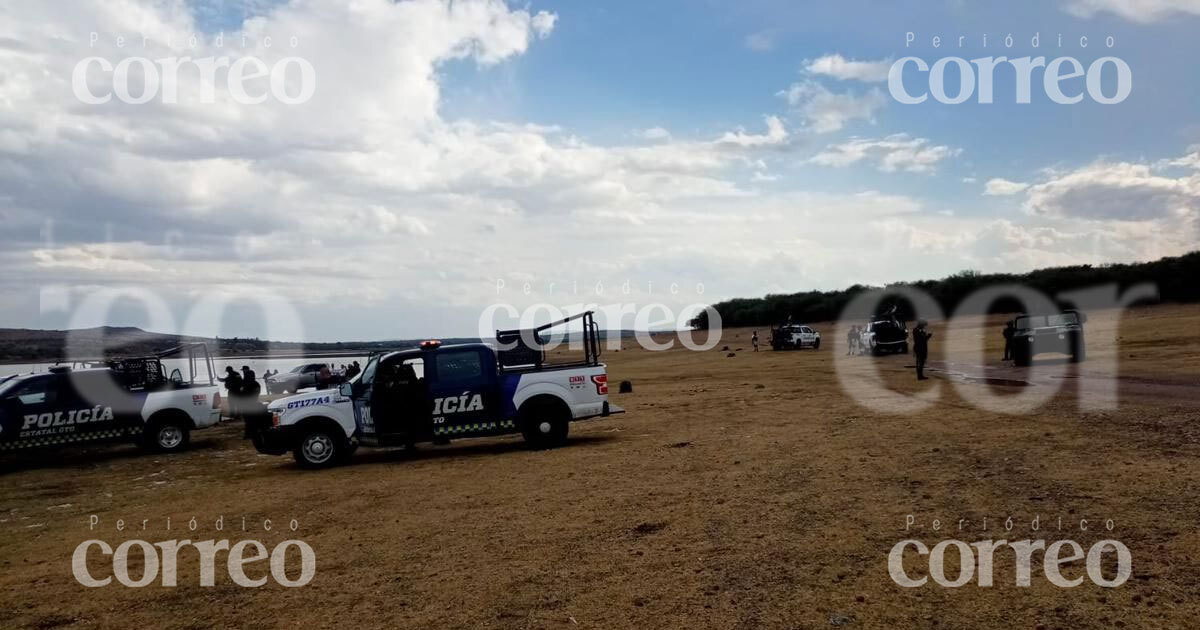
column 400, row 399
column 29, row 410
column 465, row 392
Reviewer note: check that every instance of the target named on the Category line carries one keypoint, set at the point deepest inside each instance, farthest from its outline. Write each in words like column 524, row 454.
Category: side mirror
column 346, row 389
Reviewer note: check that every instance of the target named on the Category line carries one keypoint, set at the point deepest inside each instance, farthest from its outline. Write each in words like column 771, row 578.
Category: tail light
column 217, row 400
column 601, row 381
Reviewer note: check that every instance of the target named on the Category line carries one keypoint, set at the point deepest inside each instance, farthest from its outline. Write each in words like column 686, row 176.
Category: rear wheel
column 167, row 434
column 544, row 424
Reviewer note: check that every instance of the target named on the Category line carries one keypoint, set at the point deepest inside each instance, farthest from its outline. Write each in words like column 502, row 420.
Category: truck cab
column 435, row 393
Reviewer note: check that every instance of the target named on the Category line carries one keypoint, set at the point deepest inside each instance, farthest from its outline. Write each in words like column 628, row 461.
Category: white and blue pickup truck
column 435, row 393
column 120, row 400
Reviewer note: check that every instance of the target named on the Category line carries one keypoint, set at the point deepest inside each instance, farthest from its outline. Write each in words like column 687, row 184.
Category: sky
column 455, row 158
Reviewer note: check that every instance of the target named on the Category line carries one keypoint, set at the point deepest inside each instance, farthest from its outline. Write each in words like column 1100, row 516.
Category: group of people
column 920, row 344
column 854, row 344
column 243, row 389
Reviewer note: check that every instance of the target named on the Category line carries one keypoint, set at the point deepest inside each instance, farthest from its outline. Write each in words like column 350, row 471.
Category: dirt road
column 750, row 491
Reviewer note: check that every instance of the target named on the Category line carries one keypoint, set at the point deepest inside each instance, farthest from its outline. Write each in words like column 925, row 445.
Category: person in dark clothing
column 233, row 389
column 1009, row 329
column 921, row 348
column 250, row 386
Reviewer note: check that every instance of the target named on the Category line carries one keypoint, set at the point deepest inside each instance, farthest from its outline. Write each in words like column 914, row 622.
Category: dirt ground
column 751, row 491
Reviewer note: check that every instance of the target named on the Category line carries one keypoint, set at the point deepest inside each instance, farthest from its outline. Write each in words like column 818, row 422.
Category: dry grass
column 739, row 492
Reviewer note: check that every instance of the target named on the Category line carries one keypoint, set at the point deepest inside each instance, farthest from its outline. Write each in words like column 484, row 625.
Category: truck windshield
column 367, row 376
column 6, row 383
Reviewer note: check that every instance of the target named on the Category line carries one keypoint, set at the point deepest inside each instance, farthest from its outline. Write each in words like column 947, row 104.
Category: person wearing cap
column 921, row 347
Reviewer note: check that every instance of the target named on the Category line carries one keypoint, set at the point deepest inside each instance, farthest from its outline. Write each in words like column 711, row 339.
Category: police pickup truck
column 124, row 399
column 435, row 393
column 794, row 336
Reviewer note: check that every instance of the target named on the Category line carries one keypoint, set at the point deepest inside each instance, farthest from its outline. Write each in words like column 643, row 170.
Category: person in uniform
column 754, row 340
column 1009, row 329
column 921, row 347
column 851, row 340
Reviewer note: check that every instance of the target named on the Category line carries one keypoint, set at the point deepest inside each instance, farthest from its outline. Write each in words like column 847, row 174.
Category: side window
column 417, row 366
column 37, row 391
column 462, row 367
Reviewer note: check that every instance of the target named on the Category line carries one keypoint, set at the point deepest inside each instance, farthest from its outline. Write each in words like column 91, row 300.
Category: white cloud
column 897, row 152
column 656, row 133
column 1000, row 187
column 1143, row 11
column 776, row 134
column 761, row 41
column 839, row 67
column 825, row 111
column 1116, row 191
column 543, row 23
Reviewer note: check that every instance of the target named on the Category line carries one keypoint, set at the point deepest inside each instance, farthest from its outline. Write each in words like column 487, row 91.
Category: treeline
column 1174, row 277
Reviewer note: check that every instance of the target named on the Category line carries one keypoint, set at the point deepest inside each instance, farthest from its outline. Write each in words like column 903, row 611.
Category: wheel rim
column 170, row 436
column 317, row 448
column 545, row 427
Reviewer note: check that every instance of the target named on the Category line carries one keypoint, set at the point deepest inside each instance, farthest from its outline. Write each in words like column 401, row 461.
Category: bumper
column 268, row 439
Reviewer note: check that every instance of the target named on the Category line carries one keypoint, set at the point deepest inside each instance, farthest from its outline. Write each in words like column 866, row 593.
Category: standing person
column 250, row 391
column 851, row 340
column 754, row 340
column 1009, row 329
column 921, row 347
column 324, row 376
column 250, row 386
column 233, row 389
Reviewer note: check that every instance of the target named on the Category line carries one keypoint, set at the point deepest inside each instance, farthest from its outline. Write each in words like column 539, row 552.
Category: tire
column 169, row 433
column 1022, row 358
column 320, row 446
column 545, row 423
column 1078, row 350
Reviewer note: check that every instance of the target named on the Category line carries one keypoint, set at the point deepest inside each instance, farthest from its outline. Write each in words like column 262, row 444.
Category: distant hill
column 1175, row 278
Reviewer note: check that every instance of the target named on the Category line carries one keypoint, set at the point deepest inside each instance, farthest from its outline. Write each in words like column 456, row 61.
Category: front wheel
column 319, row 448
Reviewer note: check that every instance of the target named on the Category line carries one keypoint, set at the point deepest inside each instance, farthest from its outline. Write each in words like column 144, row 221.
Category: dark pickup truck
column 1037, row 334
